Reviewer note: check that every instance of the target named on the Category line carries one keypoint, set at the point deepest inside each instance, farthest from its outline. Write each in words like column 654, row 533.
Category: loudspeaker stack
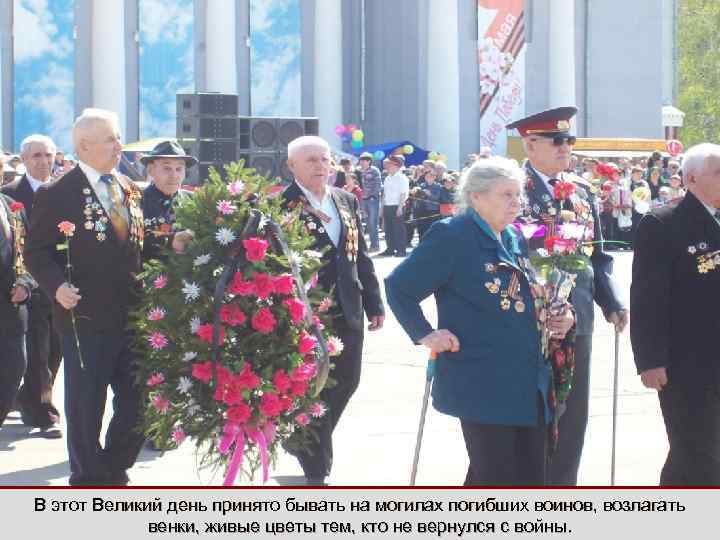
column 210, row 129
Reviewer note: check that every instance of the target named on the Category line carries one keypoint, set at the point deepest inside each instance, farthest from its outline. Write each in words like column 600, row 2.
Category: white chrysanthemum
column 195, row 325
column 224, row 236
column 184, row 385
column 191, row 355
column 312, row 254
column 296, row 258
column 201, row 260
column 191, row 290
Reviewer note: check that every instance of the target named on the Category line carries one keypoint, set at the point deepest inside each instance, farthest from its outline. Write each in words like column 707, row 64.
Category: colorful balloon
column 674, row 147
column 378, row 155
column 350, row 128
column 358, row 135
column 442, row 157
column 339, row 130
column 433, row 155
column 356, row 144
column 408, row 149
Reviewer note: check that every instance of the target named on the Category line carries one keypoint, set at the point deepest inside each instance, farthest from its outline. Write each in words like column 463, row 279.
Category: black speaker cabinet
column 209, row 104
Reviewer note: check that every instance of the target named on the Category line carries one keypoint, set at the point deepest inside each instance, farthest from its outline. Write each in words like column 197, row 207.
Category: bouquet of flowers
column 232, row 341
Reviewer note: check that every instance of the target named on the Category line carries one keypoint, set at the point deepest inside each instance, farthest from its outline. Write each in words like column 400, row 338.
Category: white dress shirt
column 396, row 185
column 712, row 211
column 327, row 207
column 34, row 184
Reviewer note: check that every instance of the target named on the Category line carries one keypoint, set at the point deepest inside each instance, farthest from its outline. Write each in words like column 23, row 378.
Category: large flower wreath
column 236, row 366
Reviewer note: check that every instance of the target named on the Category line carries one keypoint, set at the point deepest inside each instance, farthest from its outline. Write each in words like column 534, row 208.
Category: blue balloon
column 356, row 144
column 378, row 155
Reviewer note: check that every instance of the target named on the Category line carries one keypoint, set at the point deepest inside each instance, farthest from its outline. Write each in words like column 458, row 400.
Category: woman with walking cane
column 490, row 372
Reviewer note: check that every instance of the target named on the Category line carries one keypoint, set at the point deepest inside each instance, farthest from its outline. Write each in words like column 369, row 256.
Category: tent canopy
column 416, row 158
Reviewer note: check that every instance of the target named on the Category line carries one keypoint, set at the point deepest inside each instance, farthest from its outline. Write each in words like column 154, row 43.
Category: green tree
column 699, row 70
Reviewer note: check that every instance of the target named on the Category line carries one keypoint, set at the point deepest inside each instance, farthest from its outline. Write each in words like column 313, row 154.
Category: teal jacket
column 496, row 375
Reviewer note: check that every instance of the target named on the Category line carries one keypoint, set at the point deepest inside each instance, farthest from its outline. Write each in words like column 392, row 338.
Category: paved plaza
column 375, row 439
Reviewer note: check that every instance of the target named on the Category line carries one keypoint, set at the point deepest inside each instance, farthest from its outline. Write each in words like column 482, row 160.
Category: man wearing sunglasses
column 548, row 146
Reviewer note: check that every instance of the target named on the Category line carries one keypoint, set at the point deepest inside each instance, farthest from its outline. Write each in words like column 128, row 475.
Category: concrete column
column 108, row 58
column 221, row 47
column 242, row 52
column 561, row 51
column 328, row 82
column 443, row 75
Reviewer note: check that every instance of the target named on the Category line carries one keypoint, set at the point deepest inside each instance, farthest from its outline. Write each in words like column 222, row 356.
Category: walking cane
column 429, row 374
column 614, row 413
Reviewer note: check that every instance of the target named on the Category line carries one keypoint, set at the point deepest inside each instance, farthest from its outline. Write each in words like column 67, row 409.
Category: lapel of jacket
column 26, row 194
column 132, row 201
column 294, row 197
column 540, row 201
column 344, row 213
column 703, row 224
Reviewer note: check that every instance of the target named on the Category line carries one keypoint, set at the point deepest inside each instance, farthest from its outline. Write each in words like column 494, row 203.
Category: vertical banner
column 501, row 56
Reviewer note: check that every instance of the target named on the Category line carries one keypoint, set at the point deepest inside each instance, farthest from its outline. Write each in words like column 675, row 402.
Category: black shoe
column 386, row 253
column 401, row 254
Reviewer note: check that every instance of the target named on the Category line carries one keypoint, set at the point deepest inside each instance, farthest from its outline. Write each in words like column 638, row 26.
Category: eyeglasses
column 559, row 140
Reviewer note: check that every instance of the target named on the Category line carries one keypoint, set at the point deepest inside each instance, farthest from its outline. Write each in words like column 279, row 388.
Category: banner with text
column 501, row 57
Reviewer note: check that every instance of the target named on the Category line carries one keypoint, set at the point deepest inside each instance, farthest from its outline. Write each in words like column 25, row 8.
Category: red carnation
column 246, row 378
column 239, row 414
column 17, row 207
column 299, row 388
column 202, row 371
column 241, row 287
column 263, row 285
column 296, row 308
column 307, row 343
column 205, row 333
column 255, row 249
column 281, row 381
column 304, row 373
column 264, row 321
column 270, row 404
column 283, row 284
column 232, row 314
column 563, row 190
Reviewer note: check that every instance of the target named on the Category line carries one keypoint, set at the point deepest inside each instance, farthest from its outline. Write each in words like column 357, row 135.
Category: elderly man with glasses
column 548, row 145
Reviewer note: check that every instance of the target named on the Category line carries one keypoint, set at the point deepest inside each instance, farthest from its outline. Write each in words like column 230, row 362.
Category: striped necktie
column 119, row 223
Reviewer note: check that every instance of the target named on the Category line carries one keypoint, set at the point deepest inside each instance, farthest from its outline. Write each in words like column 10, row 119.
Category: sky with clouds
column 275, row 57
column 44, row 67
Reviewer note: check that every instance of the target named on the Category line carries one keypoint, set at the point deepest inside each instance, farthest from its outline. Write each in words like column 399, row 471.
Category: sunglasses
column 559, row 140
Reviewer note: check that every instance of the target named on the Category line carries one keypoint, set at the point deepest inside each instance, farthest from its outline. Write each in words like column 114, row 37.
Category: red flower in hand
column 66, row 227
column 17, row 207
column 563, row 190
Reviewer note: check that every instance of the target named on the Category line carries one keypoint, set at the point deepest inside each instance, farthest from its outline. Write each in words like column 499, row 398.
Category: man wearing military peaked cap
column 547, row 141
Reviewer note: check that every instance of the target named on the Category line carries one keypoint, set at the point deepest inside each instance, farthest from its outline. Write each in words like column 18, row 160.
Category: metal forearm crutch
column 614, row 411
column 429, row 374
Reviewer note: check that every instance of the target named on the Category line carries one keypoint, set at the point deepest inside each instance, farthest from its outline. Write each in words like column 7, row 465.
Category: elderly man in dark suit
column 548, row 144
column 105, row 255
column 675, row 319
column 43, row 340
column 15, row 288
column 332, row 217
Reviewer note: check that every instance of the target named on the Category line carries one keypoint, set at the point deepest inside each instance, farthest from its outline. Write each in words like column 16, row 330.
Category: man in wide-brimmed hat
column 166, row 167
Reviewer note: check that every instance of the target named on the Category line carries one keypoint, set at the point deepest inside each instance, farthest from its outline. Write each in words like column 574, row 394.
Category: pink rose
column 205, row 333
column 302, row 419
column 264, row 321
column 263, row 285
column 241, row 287
column 239, row 414
column 283, row 284
column 270, row 404
column 232, row 314
column 282, row 381
column 296, row 308
column 307, row 343
column 255, row 249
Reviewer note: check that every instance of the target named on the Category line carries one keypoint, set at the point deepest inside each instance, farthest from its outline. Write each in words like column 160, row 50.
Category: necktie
column 717, row 216
column 118, row 221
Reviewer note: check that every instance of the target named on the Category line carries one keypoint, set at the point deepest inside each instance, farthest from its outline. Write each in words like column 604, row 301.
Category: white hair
column 91, row 118
column 695, row 158
column 484, row 174
column 36, row 138
column 306, row 141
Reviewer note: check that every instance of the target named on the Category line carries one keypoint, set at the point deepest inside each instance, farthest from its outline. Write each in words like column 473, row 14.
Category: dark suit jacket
column 103, row 269
column 347, row 268
column 596, row 281
column 21, row 191
column 13, row 319
column 159, row 214
column 674, row 314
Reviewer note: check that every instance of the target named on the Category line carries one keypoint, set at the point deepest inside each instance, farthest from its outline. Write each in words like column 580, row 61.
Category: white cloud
column 52, row 96
column 263, row 12
column 36, row 33
column 276, row 79
column 166, row 22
